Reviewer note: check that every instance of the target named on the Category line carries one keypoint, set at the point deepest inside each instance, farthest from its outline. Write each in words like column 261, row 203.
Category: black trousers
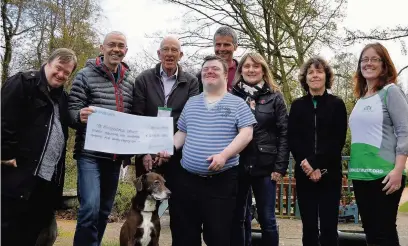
column 206, row 204
column 378, row 211
column 319, row 201
column 22, row 220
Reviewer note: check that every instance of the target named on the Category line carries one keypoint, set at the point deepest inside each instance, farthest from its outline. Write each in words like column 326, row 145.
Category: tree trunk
column 7, row 29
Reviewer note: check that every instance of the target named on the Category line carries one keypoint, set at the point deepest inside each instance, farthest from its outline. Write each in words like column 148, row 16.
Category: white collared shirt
column 168, row 82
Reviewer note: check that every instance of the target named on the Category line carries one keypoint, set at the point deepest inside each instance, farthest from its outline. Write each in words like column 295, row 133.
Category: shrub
column 126, row 189
column 123, row 198
column 70, row 163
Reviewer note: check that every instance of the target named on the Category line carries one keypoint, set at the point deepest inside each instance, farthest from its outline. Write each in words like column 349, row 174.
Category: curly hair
column 388, row 75
column 318, row 62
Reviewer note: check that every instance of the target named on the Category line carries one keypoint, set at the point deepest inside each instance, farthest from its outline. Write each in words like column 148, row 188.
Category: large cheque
column 119, row 133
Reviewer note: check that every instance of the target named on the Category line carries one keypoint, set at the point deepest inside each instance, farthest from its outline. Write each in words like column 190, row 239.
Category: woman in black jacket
column 266, row 158
column 317, row 132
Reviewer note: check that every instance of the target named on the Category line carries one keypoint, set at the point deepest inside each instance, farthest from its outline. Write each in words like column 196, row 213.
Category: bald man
column 103, row 82
column 163, row 91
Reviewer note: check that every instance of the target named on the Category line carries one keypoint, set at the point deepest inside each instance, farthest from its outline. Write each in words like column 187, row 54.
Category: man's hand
column 276, row 176
column 307, row 169
column 84, row 113
column 11, row 163
column 161, row 157
column 147, row 162
column 392, row 181
column 217, row 162
column 316, row 175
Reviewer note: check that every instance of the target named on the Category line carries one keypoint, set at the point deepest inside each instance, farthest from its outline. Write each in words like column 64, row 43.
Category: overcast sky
column 138, row 18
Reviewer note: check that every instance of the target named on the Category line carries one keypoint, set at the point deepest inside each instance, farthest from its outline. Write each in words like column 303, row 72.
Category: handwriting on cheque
column 116, row 132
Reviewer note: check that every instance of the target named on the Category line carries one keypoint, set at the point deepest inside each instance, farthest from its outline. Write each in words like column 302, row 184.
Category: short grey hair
column 226, row 31
column 170, row 37
column 114, row 33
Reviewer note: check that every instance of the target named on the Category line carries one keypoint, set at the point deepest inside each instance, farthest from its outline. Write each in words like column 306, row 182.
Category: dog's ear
column 139, row 182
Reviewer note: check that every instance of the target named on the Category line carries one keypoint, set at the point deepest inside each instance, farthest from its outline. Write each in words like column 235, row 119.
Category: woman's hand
column 392, row 181
column 316, row 175
column 306, row 167
column 276, row 176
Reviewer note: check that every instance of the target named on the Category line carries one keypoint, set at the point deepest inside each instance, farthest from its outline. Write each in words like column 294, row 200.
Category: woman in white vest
column 379, row 144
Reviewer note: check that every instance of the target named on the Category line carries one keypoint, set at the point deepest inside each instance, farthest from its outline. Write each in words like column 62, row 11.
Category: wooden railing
column 286, row 196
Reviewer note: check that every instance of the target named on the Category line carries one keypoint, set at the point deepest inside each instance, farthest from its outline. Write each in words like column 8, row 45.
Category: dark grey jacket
column 149, row 93
column 95, row 86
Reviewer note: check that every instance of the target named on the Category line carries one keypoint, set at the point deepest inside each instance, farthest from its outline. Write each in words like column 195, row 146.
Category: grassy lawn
column 403, row 208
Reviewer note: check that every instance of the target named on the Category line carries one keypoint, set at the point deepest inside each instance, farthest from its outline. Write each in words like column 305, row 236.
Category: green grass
column 403, row 208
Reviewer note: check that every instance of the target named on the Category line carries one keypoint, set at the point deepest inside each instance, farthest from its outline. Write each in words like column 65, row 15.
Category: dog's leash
column 163, row 207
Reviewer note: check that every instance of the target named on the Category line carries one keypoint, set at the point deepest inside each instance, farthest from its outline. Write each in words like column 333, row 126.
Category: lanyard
column 166, row 97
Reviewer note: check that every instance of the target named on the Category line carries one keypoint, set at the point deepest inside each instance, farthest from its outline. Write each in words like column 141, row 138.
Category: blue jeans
column 265, row 196
column 97, row 185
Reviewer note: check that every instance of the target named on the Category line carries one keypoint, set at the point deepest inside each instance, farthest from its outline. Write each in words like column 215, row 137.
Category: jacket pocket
column 267, row 156
column 267, row 149
column 38, row 103
column 266, row 107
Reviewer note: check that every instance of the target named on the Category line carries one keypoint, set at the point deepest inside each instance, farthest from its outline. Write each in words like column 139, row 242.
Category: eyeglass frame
column 374, row 60
column 169, row 50
column 113, row 45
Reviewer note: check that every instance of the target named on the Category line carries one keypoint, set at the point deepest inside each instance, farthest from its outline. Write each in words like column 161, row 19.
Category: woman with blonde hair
column 379, row 144
column 265, row 160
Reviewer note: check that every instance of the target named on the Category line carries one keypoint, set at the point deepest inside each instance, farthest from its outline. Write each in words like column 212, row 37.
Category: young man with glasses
column 105, row 83
column 213, row 128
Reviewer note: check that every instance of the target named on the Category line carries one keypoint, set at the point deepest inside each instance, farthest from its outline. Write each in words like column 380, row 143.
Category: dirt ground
column 290, row 231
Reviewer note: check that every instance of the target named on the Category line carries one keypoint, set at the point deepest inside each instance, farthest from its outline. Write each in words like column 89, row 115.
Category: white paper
column 114, row 132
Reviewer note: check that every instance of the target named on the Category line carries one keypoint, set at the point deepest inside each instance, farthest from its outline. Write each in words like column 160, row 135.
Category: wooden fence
column 286, row 196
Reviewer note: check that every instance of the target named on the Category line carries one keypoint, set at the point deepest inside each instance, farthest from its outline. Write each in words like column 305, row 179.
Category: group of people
column 233, row 136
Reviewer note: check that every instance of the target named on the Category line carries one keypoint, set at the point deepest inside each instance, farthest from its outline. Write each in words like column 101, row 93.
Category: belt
column 208, row 176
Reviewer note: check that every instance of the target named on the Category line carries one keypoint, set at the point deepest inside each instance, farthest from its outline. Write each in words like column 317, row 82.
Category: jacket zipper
column 118, row 93
column 315, row 125
column 170, row 93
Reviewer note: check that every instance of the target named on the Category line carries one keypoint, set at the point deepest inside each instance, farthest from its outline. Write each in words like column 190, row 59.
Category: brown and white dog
column 142, row 226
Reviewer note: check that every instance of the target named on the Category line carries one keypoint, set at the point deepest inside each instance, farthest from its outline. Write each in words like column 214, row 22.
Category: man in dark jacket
column 104, row 82
column 163, row 91
column 225, row 43
column 317, row 133
column 34, row 129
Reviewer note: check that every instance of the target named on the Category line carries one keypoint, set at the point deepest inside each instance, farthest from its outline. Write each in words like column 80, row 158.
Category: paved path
column 404, row 197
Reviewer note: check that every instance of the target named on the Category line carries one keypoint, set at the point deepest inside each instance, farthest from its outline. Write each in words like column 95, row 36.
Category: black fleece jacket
column 318, row 134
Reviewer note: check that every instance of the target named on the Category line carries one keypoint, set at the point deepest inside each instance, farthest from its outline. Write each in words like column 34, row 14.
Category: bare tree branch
column 402, row 69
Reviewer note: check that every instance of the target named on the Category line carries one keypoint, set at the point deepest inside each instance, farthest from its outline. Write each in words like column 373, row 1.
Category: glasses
column 113, row 45
column 372, row 60
column 169, row 50
column 214, row 68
